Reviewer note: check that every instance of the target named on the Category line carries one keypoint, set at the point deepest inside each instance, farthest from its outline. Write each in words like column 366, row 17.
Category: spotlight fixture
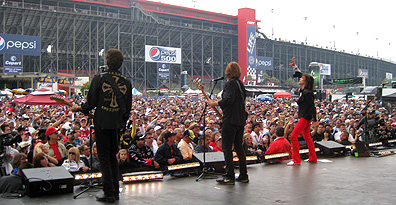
column 142, row 176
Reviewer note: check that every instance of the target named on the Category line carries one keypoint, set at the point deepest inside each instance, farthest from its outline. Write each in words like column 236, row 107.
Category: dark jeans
column 107, row 145
column 233, row 135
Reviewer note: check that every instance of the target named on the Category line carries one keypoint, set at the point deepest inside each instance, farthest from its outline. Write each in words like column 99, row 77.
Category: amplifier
column 48, row 181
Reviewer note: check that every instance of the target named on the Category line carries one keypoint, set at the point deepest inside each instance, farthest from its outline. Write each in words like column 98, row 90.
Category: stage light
column 86, row 176
column 248, row 158
column 305, row 151
column 375, row 144
column 277, row 155
column 392, row 141
column 142, row 176
column 183, row 166
column 351, row 147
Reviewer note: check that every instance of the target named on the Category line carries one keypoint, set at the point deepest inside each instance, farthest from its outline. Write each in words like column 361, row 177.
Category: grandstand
column 76, row 33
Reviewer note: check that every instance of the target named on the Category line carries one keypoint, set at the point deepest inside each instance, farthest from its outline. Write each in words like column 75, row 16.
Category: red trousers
column 303, row 126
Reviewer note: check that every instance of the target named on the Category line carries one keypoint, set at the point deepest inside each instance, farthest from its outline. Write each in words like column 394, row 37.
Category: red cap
column 50, row 130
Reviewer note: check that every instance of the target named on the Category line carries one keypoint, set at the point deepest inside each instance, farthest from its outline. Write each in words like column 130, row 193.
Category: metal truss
column 75, row 37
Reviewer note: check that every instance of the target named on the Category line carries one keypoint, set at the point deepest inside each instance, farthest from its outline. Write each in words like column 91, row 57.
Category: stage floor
column 342, row 180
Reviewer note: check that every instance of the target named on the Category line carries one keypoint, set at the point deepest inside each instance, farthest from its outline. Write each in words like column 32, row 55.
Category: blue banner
column 163, row 70
column 265, row 63
column 13, row 63
column 47, row 79
column 251, row 51
column 18, row 44
column 66, row 81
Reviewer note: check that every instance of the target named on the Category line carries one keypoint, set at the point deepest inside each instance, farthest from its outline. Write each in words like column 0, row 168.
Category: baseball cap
column 156, row 128
column 169, row 134
column 189, row 134
column 139, row 136
column 194, row 124
column 218, row 139
column 50, row 130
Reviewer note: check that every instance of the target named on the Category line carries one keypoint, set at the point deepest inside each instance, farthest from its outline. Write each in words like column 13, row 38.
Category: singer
column 234, row 120
column 306, row 113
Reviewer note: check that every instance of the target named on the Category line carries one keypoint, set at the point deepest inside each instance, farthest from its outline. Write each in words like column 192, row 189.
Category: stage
column 342, row 180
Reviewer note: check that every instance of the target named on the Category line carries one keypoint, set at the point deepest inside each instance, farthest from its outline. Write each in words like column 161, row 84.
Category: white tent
column 136, row 92
column 191, row 91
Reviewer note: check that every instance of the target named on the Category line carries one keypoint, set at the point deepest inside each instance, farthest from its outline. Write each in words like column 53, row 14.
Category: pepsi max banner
column 12, row 63
column 363, row 73
column 389, row 76
column 18, row 44
column 325, row 69
column 47, row 79
column 264, row 63
column 159, row 54
column 163, row 70
column 251, row 50
column 66, row 81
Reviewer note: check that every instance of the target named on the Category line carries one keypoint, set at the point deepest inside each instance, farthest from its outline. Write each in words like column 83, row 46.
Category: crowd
column 167, row 131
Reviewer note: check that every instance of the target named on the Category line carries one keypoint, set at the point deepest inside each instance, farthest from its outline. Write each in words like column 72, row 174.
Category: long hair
column 17, row 160
column 233, row 70
column 37, row 158
column 309, row 81
column 75, row 150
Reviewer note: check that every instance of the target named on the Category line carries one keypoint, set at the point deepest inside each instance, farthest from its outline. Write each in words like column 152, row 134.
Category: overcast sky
column 367, row 27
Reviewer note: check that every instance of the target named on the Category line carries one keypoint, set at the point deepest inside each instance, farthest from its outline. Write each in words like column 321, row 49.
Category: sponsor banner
column 265, row 63
column 251, row 51
column 159, row 54
column 47, row 79
column 315, row 72
column 163, row 70
column 12, row 70
column 13, row 63
column 325, row 69
column 363, row 73
column 260, row 79
column 389, row 76
column 357, row 80
column 19, row 44
column 66, row 81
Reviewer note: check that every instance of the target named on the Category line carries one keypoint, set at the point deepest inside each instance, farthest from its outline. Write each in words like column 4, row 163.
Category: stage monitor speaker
column 361, row 150
column 48, row 181
column 331, row 148
column 212, row 159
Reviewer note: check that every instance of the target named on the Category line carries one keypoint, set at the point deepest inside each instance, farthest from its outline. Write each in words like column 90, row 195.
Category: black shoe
column 242, row 179
column 103, row 198
column 226, row 181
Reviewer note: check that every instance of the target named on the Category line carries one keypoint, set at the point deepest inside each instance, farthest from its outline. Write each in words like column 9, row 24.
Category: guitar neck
column 215, row 109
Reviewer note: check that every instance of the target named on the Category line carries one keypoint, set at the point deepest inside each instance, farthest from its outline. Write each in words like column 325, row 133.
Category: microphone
column 217, row 79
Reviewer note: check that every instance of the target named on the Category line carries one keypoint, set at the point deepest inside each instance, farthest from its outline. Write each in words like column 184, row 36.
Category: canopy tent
column 370, row 90
column 264, row 98
column 135, row 92
column 282, row 94
column 6, row 93
column 19, row 91
column 191, row 91
column 389, row 95
column 37, row 99
column 61, row 92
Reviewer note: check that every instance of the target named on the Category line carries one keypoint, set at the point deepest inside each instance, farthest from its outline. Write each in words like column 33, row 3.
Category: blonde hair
column 75, row 150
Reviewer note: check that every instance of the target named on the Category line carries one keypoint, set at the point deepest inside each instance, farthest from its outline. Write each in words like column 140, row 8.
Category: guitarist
column 110, row 95
column 234, row 120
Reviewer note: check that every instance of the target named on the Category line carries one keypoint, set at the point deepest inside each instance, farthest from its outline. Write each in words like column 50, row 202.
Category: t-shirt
column 56, row 151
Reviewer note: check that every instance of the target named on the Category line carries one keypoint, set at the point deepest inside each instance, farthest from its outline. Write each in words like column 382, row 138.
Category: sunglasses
column 43, row 158
column 72, row 153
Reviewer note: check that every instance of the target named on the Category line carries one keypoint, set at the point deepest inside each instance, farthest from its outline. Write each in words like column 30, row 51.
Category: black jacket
column 306, row 103
column 164, row 153
column 232, row 103
column 140, row 155
column 108, row 114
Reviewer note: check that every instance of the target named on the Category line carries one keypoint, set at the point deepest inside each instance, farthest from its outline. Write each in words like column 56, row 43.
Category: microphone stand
column 91, row 184
column 204, row 168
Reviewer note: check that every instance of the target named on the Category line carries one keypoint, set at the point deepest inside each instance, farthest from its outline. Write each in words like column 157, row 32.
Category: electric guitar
column 63, row 101
column 197, row 82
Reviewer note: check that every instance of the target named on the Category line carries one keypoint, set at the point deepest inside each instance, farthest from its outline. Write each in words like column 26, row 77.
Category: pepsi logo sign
column 2, row 43
column 155, row 54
